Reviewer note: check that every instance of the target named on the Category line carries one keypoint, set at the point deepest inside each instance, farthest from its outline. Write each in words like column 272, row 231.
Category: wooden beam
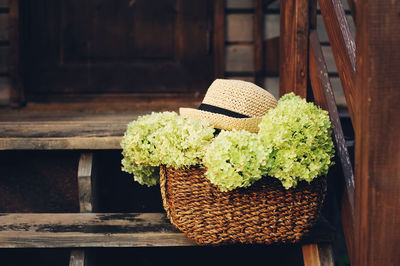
column 294, row 47
column 343, row 48
column 79, row 257
column 323, row 96
column 377, row 160
column 259, row 42
column 77, row 230
column 219, row 39
column 85, row 184
column 318, row 255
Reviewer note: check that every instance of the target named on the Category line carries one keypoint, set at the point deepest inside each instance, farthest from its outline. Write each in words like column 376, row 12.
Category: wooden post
column 294, row 47
column 79, row 257
column 377, row 177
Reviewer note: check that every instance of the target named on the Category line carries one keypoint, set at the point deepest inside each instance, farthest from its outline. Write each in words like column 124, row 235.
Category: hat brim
column 222, row 121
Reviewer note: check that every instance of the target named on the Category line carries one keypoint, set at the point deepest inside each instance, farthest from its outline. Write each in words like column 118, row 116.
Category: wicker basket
column 263, row 213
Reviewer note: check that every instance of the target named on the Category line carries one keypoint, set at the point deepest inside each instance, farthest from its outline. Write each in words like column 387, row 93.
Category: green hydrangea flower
column 234, row 159
column 163, row 139
column 299, row 134
column 146, row 175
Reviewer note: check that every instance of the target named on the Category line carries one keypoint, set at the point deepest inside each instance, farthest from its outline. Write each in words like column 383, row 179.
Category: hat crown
column 240, row 96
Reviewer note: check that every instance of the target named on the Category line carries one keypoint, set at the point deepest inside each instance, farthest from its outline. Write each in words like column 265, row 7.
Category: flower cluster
column 163, row 139
column 294, row 144
column 235, row 159
column 299, row 134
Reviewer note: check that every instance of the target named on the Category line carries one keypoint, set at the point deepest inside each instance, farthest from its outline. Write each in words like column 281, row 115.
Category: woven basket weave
column 262, row 213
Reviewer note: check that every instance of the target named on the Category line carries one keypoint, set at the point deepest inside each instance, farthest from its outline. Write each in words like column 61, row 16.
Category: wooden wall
column 4, row 51
column 240, row 44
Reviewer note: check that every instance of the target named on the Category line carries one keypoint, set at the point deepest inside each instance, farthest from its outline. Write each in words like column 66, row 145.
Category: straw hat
column 233, row 104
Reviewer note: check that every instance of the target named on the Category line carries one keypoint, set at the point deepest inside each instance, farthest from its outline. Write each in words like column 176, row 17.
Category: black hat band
column 219, row 110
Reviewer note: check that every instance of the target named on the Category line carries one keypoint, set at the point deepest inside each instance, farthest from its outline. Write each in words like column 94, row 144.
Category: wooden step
column 45, row 131
column 71, row 230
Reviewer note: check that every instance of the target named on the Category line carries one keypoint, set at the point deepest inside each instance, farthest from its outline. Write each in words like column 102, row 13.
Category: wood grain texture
column 85, row 171
column 294, row 47
column 377, row 160
column 88, row 230
column 42, row 131
column 343, row 47
column 324, row 97
column 72, row 143
column 219, row 38
column 87, row 204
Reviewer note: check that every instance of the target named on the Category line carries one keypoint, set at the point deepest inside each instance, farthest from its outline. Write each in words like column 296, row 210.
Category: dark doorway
column 119, row 46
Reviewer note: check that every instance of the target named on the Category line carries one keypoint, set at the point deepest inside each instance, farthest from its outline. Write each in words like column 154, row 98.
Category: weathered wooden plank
column 41, row 131
column 317, row 255
column 73, row 143
column 239, row 58
column 86, row 181
column 239, row 27
column 324, row 97
column 259, row 60
column 343, row 47
column 4, row 27
column 77, row 257
column 294, row 47
column 54, row 129
column 88, row 230
column 377, row 160
column 219, row 38
column 86, row 193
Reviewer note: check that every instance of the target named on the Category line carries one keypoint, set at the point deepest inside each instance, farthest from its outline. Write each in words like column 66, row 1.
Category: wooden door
column 119, row 46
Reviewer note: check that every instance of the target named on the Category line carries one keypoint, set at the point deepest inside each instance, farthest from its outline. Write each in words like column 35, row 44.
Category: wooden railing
column 370, row 79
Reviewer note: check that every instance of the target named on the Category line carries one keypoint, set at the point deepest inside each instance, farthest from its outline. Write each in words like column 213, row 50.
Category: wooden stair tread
column 71, row 230
column 65, row 131
column 68, row 230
